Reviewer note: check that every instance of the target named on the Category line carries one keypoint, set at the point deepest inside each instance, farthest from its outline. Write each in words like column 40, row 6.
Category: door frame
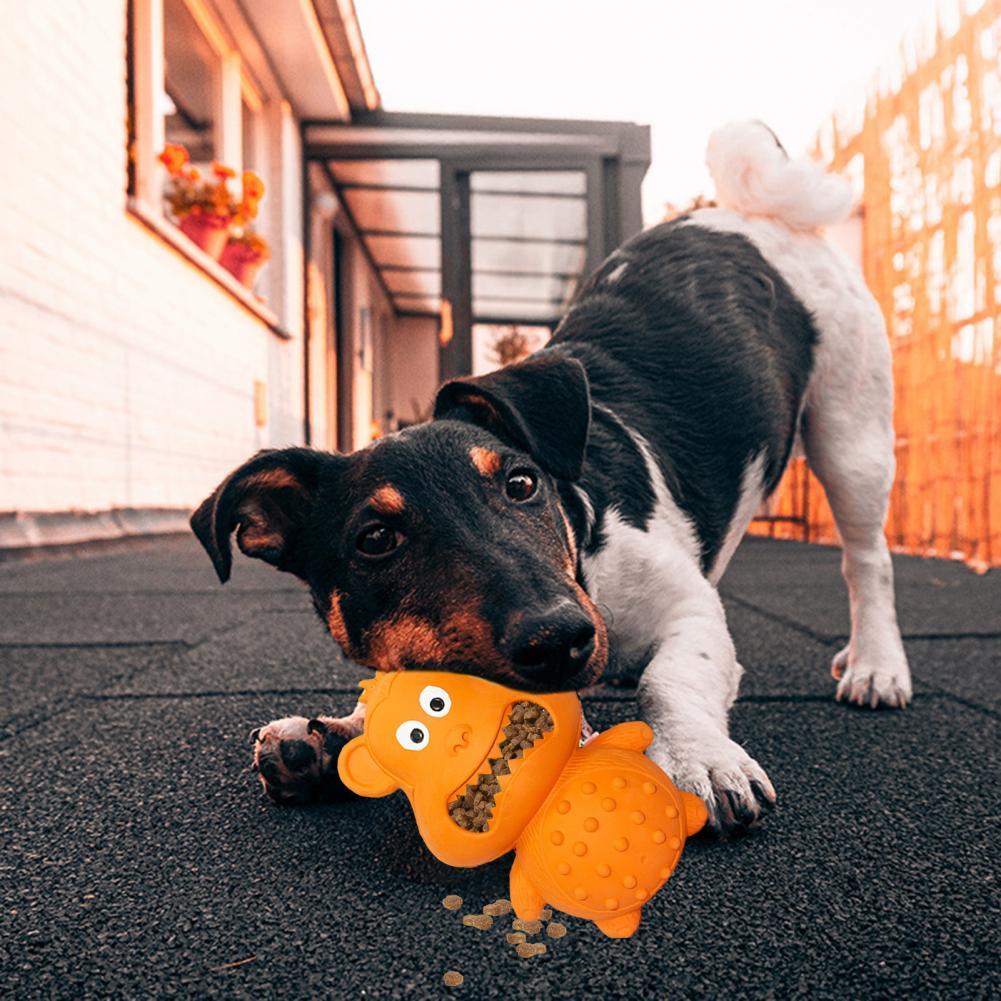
column 456, row 356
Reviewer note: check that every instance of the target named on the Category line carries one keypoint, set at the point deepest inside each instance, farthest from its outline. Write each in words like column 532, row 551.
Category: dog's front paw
column 296, row 758
column 735, row 788
column 872, row 681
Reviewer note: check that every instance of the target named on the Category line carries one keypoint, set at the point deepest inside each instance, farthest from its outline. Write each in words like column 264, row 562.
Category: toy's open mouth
column 528, row 723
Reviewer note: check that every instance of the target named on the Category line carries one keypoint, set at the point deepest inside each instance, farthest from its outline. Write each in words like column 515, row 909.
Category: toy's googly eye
column 435, row 701
column 413, row 736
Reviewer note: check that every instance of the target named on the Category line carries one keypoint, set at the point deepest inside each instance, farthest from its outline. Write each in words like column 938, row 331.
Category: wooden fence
column 926, row 156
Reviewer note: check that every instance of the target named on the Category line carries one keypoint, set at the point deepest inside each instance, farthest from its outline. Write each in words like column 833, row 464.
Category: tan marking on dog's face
column 467, row 636
column 387, row 500
column 487, row 462
column 407, row 641
column 335, row 622
column 402, row 639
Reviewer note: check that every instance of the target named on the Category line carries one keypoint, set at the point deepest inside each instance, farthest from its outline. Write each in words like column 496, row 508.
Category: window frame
column 146, row 178
column 252, row 101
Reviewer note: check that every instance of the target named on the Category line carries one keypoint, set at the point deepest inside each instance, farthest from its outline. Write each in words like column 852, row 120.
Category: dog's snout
column 550, row 646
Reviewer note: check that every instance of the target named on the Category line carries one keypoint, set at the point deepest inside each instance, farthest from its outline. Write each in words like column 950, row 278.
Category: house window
column 191, row 84
column 188, row 86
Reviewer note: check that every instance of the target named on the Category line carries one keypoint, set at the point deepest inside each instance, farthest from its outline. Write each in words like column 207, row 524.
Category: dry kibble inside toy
column 597, row 830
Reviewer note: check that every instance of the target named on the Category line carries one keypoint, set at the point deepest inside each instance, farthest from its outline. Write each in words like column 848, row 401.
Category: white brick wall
column 126, row 374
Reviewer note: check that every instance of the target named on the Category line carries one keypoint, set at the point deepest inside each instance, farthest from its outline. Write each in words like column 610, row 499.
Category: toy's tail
column 755, row 176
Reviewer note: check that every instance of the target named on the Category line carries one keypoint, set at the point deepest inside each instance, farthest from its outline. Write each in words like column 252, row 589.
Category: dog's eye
column 377, row 540
column 435, row 701
column 521, row 485
column 412, row 736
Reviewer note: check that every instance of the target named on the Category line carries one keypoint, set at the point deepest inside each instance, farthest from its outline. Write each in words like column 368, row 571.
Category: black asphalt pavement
column 139, row 859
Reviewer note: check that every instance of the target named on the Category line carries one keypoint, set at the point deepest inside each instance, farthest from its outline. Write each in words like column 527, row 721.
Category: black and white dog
column 616, row 469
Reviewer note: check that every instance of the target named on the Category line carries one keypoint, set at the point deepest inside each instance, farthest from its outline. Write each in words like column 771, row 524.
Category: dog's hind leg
column 848, row 438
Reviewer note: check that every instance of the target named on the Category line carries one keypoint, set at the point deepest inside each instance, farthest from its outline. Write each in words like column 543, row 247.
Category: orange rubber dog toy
column 597, row 830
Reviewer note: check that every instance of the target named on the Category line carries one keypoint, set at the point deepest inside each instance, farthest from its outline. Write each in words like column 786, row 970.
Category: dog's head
column 445, row 546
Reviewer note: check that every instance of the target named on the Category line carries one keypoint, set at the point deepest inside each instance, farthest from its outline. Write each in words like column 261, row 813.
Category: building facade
column 137, row 365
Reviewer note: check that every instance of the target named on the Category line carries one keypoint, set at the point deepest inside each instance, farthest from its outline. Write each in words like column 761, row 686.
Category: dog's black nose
column 550, row 646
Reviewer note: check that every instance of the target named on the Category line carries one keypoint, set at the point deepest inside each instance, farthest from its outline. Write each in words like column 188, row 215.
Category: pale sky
column 681, row 67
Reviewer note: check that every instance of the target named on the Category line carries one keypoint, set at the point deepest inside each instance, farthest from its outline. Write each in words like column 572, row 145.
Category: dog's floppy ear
column 267, row 500
column 542, row 405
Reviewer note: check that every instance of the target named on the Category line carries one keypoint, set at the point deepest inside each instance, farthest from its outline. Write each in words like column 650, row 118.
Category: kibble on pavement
column 530, row 927
column 529, row 949
column 498, row 908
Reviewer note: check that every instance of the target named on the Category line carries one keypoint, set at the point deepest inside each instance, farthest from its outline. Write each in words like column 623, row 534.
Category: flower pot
column 242, row 262
column 209, row 232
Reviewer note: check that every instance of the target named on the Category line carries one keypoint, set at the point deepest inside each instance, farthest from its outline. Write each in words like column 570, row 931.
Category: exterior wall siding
column 126, row 374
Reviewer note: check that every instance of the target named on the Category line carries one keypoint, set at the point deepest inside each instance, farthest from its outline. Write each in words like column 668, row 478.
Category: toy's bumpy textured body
column 607, row 838
column 596, row 830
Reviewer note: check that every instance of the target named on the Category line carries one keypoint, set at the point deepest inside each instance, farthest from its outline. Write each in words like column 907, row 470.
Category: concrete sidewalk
column 141, row 860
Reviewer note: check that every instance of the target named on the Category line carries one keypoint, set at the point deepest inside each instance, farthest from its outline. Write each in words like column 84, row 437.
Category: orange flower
column 221, row 201
column 188, row 193
column 174, row 157
column 248, row 209
column 257, row 243
column 253, row 186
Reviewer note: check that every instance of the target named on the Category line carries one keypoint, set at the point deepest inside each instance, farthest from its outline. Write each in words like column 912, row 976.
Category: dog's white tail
column 755, row 176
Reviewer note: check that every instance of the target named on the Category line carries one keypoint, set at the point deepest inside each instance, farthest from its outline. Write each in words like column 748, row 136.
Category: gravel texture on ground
column 141, row 860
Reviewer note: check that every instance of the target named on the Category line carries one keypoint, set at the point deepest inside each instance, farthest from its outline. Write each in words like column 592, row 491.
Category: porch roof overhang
column 510, row 213
column 344, row 38
column 316, row 51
